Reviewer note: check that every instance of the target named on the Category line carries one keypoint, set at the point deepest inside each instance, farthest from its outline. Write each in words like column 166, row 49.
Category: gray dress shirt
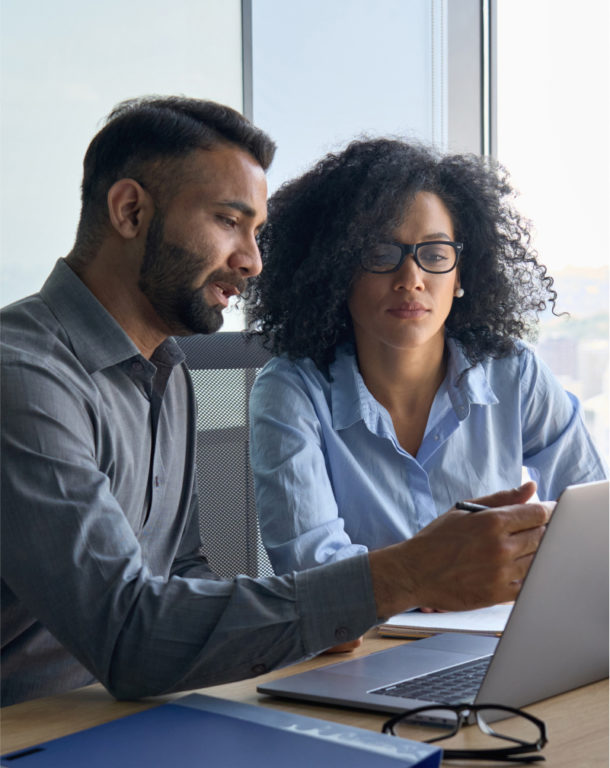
column 102, row 575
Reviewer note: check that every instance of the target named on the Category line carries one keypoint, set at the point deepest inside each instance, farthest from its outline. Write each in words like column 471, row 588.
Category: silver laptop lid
column 556, row 638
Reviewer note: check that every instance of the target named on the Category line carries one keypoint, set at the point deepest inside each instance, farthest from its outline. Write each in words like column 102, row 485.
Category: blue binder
column 203, row 731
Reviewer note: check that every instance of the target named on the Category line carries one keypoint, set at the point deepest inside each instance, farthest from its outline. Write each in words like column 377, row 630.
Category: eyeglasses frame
column 513, row 754
column 412, row 248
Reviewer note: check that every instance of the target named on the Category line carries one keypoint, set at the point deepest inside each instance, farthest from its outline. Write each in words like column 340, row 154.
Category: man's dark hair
column 143, row 137
column 320, row 224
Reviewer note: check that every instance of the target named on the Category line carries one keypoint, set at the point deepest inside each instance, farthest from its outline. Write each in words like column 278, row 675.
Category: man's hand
column 348, row 647
column 462, row 560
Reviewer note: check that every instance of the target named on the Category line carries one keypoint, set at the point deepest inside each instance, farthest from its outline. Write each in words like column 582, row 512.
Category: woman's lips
column 409, row 310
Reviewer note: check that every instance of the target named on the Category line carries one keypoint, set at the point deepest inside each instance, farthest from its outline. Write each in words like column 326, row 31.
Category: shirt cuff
column 336, row 603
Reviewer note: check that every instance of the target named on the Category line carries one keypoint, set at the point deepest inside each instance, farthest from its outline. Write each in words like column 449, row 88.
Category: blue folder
column 202, row 730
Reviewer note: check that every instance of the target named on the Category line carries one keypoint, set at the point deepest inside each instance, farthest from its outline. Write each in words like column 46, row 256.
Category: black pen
column 469, row 506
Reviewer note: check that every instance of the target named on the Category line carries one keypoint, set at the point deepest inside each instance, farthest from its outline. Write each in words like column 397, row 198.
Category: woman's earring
column 458, row 293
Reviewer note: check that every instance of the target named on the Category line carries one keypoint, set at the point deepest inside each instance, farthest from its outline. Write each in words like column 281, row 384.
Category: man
column 102, row 577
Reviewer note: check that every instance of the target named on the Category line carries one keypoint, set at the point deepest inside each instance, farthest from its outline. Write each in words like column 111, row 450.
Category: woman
column 396, row 289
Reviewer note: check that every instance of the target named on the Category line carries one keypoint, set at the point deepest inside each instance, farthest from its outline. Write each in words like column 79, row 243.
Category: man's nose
column 247, row 259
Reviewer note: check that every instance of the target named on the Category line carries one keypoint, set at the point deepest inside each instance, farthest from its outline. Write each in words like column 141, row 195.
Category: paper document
column 484, row 621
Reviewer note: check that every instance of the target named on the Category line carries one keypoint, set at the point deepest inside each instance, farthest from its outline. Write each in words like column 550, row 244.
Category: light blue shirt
column 332, row 480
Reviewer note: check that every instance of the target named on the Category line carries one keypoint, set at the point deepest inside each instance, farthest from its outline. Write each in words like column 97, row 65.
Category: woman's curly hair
column 321, row 223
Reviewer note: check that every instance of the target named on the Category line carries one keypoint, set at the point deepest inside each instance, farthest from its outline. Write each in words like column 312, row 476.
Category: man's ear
column 130, row 207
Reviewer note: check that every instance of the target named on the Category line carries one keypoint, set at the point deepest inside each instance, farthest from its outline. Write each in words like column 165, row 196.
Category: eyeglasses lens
column 512, row 728
column 428, row 726
column 436, row 257
column 382, row 258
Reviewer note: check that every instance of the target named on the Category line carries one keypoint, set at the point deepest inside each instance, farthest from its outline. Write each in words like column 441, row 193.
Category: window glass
column 325, row 72
column 553, row 135
column 64, row 65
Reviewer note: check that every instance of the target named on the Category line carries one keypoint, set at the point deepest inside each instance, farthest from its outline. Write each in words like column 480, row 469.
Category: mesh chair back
column 223, row 367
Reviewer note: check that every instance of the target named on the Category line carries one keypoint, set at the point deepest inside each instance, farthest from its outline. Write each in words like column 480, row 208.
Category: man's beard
column 167, row 276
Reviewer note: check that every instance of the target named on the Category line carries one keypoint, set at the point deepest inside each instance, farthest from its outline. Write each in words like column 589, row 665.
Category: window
column 553, row 136
column 323, row 73
column 64, row 65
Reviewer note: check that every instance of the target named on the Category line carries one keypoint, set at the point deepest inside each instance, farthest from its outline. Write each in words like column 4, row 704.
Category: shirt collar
column 97, row 339
column 350, row 398
column 467, row 385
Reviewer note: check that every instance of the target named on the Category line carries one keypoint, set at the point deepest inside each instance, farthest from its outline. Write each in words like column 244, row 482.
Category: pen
column 469, row 506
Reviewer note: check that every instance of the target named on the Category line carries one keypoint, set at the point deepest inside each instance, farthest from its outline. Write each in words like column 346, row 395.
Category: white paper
column 486, row 621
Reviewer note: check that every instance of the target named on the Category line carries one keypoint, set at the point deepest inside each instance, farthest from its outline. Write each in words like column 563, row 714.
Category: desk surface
column 577, row 722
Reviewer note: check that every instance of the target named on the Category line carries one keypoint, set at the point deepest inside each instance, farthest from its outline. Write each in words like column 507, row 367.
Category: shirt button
column 342, row 634
column 259, row 669
column 136, row 366
column 437, row 436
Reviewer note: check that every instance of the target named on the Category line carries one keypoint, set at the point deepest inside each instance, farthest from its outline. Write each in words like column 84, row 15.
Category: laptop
column 556, row 638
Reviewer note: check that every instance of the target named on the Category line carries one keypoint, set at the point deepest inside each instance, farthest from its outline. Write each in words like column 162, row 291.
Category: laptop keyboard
column 456, row 685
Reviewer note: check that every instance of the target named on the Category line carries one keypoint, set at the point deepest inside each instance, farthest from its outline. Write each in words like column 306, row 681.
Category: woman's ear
column 129, row 207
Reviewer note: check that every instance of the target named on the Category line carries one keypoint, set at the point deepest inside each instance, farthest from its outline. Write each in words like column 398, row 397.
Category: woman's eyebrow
column 437, row 236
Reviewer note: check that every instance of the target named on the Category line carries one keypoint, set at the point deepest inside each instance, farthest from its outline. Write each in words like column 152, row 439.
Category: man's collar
column 97, row 339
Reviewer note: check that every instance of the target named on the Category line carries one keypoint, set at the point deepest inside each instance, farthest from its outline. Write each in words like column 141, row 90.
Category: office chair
column 223, row 367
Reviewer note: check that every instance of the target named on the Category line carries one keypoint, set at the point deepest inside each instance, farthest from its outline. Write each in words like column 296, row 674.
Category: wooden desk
column 577, row 722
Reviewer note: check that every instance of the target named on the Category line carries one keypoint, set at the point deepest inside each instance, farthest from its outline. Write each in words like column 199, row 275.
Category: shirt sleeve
column 298, row 513
column 557, row 448
column 72, row 559
column 190, row 560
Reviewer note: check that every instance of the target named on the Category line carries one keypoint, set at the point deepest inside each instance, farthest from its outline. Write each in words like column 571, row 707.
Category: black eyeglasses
column 435, row 256
column 525, row 732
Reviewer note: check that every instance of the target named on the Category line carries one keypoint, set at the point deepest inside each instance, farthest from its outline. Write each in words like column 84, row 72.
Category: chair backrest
column 223, row 367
